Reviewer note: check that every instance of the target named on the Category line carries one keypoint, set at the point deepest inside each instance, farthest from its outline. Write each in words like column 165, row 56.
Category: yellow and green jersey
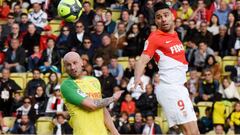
column 83, row 122
column 235, row 118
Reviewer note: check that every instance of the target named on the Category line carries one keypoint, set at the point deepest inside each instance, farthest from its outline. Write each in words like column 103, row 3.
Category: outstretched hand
column 117, row 95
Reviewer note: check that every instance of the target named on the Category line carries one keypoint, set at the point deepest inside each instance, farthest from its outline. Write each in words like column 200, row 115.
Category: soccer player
column 167, row 50
column 82, row 96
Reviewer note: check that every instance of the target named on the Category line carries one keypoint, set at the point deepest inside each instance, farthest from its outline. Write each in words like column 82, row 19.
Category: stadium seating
column 123, row 61
column 116, row 15
column 44, row 126
column 228, row 61
column 20, row 79
column 202, row 107
column 9, row 121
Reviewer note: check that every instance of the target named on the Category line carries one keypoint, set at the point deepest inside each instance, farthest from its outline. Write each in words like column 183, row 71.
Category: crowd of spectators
column 208, row 29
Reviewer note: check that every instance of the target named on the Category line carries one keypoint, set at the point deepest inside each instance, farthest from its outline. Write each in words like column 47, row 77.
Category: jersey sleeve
column 151, row 45
column 72, row 93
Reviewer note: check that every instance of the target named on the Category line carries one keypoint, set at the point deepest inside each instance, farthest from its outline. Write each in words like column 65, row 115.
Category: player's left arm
column 109, row 123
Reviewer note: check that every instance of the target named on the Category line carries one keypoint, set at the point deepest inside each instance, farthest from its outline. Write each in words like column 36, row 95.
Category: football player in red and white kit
column 167, row 50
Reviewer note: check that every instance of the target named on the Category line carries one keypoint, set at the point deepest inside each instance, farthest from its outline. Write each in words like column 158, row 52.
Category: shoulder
column 67, row 83
column 90, row 78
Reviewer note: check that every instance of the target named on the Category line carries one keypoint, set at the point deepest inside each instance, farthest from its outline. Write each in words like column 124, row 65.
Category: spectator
column 87, row 48
column 148, row 11
column 4, row 10
column 2, row 39
column 87, row 16
column 151, row 127
column 192, row 84
column 61, row 125
column 129, row 71
column 26, row 109
column 190, row 52
column 6, row 28
column 116, row 69
column 191, row 31
column 47, row 34
column 16, row 103
column 7, row 88
column 115, row 107
column 108, row 82
column 147, row 102
column 63, row 41
column 218, row 130
column 40, row 101
column 17, row 11
column 222, row 13
column 32, row 84
column 51, row 60
column 234, row 43
column 236, row 11
column 31, row 39
column 235, row 75
column 24, row 22
column 106, row 51
column 122, row 123
column 219, row 110
column 132, row 38
column 34, row 60
column 128, row 4
column 201, row 54
column 153, row 28
column 140, row 89
column 185, row 11
column 235, row 116
column 97, row 72
column 179, row 28
column 100, row 15
column 231, row 23
column 15, row 34
column 98, row 35
column 119, row 39
column 204, row 34
column 200, row 14
column 206, row 121
column 15, row 57
column 78, row 36
column 208, row 87
column 134, row 11
column 53, row 81
column 128, row 105
column 229, row 90
column 25, row 126
column 220, row 42
column 214, row 25
column 38, row 17
column 109, row 23
column 151, row 68
column 215, row 67
column 137, row 126
column 125, row 19
column 155, row 79
column 118, row 5
column 55, row 103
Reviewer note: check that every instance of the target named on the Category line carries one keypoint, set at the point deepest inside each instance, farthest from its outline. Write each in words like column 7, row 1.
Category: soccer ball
column 70, row 10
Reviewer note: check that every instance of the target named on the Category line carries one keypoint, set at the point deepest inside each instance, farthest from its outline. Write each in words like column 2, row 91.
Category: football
column 69, row 10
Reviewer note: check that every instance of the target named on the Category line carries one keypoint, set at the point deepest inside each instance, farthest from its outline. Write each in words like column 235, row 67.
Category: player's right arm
column 75, row 96
column 147, row 54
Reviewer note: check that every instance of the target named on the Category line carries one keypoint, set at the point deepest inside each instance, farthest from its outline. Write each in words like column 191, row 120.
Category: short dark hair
column 36, row 69
column 87, row 2
column 160, row 6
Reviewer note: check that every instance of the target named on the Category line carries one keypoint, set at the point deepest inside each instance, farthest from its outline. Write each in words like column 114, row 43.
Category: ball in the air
column 70, row 10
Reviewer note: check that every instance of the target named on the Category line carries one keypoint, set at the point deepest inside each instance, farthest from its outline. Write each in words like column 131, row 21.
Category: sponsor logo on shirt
column 177, row 48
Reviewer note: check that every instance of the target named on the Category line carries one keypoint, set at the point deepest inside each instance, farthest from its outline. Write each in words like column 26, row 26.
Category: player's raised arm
column 139, row 68
column 75, row 96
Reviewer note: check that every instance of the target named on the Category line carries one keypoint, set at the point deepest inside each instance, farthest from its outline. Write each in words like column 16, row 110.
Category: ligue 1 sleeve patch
column 81, row 93
column 146, row 45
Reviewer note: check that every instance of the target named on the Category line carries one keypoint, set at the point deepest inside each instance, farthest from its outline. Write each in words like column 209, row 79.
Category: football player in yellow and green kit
column 83, row 99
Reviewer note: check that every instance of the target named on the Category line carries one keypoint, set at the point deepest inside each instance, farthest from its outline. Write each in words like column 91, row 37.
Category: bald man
column 83, row 99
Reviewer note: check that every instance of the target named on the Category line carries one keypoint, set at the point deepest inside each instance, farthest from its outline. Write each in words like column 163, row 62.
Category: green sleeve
column 71, row 92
